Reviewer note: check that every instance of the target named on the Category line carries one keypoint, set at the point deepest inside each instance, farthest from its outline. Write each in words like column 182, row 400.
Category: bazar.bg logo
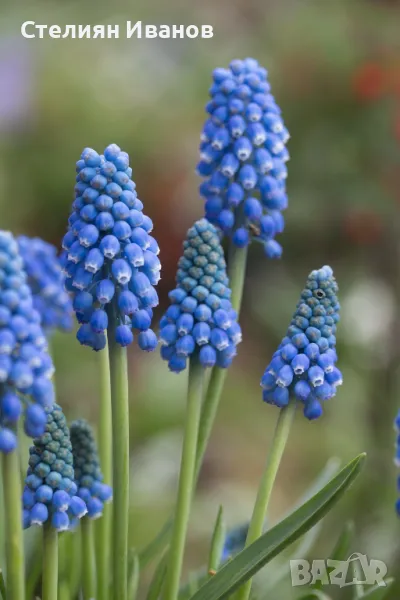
column 357, row 569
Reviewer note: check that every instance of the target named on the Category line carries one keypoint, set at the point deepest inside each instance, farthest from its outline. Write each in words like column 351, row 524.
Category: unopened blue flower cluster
column 304, row 364
column 46, row 280
column 234, row 541
column 25, row 366
column 201, row 318
column 243, row 156
column 88, row 475
column 397, row 456
column 111, row 259
column 50, row 491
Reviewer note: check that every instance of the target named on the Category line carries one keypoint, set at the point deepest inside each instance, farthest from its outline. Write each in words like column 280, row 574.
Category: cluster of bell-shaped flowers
column 46, row 280
column 25, row 365
column 304, row 364
column 243, row 157
column 88, row 475
column 110, row 259
column 201, row 319
column 50, row 493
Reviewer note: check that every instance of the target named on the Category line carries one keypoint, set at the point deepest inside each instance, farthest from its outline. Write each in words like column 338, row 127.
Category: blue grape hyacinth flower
column 46, row 280
column 201, row 318
column 110, row 259
column 234, row 542
column 397, row 456
column 88, row 475
column 242, row 157
column 50, row 493
column 304, row 364
column 25, row 366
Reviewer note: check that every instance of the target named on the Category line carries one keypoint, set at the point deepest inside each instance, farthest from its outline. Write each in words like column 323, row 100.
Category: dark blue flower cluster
column 46, row 280
column 25, row 366
column 397, row 456
column 304, row 364
column 110, row 259
column 243, row 156
column 234, row 542
column 50, row 491
column 201, row 318
column 88, row 475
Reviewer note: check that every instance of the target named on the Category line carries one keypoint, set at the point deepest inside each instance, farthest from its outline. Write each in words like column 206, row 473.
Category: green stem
column 236, row 271
column 103, row 525
column 120, row 431
column 50, row 563
column 186, row 479
column 13, row 527
column 274, row 458
column 209, row 412
column 88, row 557
column 237, row 260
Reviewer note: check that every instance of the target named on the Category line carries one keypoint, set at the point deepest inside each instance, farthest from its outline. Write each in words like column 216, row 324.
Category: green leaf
column 158, row 579
column 271, row 543
column 341, row 550
column 378, row 593
column 3, row 592
column 157, row 545
column 217, row 543
column 134, row 574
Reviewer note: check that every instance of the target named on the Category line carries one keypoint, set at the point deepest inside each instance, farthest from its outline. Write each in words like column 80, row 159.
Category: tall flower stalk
column 111, row 266
column 25, row 388
column 302, row 370
column 89, row 480
column 242, row 161
column 200, row 329
column 51, row 498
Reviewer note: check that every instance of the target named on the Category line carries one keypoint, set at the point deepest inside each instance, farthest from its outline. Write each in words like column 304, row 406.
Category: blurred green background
column 334, row 67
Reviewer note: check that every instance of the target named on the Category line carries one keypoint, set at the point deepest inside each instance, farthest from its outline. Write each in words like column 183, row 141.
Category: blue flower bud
column 99, row 320
column 311, row 376
column 312, row 409
column 207, row 356
column 123, row 335
column 61, row 500
column 60, row 521
column 39, row 514
column 8, row 440
column 77, row 507
column 10, row 406
column 147, row 340
column 43, row 494
column 127, row 303
column 105, row 291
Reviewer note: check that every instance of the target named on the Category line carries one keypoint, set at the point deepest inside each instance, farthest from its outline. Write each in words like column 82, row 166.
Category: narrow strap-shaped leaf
column 378, row 593
column 3, row 592
column 255, row 556
column 158, row 579
column 341, row 550
column 134, row 574
column 217, row 543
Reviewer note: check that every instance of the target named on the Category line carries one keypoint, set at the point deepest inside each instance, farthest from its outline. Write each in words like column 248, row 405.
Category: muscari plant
column 111, row 268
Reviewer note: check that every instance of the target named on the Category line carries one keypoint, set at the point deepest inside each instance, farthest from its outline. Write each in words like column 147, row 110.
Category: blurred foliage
column 335, row 71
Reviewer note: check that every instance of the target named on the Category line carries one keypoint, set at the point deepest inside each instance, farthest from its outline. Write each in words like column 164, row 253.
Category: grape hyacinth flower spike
column 242, row 157
column 46, row 280
column 88, row 475
column 110, row 259
column 200, row 327
column 25, row 366
column 50, row 493
column 89, row 480
column 201, row 319
column 397, row 456
column 304, row 364
column 302, row 369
